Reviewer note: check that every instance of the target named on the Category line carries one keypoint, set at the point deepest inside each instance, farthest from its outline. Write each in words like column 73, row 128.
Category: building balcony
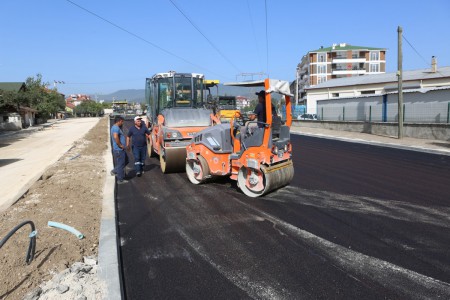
column 343, row 60
column 346, row 72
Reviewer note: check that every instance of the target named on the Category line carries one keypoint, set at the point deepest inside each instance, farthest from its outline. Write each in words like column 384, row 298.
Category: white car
column 307, row 117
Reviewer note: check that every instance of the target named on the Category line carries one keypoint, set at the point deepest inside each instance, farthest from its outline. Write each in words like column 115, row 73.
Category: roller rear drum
column 255, row 183
column 172, row 160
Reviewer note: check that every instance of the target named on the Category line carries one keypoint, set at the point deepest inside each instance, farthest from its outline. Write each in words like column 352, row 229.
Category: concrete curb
column 108, row 265
column 20, row 193
column 376, row 143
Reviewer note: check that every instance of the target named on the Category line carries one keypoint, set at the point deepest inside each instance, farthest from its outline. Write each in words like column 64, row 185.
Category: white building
column 378, row 84
column 338, row 61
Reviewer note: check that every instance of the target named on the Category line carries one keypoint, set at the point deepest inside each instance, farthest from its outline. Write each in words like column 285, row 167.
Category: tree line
column 90, row 109
column 48, row 102
column 36, row 95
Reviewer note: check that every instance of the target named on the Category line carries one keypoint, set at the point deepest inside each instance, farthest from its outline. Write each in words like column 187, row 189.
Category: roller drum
column 278, row 176
column 255, row 183
column 150, row 150
column 173, row 160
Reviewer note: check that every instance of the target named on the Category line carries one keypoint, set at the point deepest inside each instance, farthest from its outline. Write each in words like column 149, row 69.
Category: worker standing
column 138, row 135
column 119, row 153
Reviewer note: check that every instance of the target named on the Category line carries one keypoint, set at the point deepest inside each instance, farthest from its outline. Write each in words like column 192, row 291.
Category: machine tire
column 203, row 167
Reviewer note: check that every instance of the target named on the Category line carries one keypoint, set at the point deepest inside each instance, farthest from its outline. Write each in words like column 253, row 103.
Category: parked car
column 307, row 117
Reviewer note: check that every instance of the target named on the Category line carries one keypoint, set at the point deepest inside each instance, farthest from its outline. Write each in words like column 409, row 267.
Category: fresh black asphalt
column 357, row 222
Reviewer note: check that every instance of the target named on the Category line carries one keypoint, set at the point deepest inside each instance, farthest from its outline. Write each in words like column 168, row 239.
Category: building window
column 374, row 68
column 321, row 79
column 321, row 69
column 368, row 92
column 341, row 54
column 335, row 95
column 322, row 57
column 374, row 55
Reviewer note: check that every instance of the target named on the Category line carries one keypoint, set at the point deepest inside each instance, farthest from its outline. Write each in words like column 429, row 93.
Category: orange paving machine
column 176, row 110
column 258, row 154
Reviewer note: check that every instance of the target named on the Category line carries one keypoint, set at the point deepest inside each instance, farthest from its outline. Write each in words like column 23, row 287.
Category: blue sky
column 220, row 39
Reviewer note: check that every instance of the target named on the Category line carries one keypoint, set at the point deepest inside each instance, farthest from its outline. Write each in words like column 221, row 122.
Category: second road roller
column 256, row 153
column 176, row 111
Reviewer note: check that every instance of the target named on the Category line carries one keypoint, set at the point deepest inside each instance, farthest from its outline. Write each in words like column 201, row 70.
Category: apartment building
column 338, row 61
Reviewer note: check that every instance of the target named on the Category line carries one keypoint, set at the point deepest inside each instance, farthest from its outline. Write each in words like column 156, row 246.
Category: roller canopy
column 277, row 86
column 186, row 117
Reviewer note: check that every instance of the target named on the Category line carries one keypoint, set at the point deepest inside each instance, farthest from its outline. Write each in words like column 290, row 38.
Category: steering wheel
column 240, row 119
column 236, row 123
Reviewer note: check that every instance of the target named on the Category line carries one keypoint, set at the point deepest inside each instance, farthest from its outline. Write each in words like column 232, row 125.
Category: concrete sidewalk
column 422, row 145
column 24, row 157
column 25, row 154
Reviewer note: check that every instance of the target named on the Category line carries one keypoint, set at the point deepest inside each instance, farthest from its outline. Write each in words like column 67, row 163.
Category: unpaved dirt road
column 69, row 192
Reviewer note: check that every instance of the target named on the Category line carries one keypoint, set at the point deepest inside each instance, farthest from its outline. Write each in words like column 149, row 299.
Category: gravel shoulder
column 69, row 192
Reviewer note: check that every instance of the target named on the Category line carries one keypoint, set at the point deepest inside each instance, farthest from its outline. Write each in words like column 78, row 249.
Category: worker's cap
column 137, row 118
column 261, row 93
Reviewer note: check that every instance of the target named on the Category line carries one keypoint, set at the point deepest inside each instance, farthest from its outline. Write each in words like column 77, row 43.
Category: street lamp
column 55, row 82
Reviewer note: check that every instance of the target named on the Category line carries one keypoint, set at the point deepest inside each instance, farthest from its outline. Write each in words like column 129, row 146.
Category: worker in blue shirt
column 138, row 135
column 260, row 110
column 119, row 153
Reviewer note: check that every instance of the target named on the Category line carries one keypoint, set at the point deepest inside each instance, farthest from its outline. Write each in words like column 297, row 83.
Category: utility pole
column 400, row 83
column 296, row 85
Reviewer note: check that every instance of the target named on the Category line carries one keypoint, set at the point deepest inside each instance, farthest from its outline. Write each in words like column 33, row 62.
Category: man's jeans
column 120, row 161
column 140, row 154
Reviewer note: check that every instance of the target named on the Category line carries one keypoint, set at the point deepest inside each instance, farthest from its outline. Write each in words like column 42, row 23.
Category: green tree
column 51, row 102
column 37, row 95
column 106, row 105
column 35, row 92
column 89, row 109
column 48, row 102
column 9, row 98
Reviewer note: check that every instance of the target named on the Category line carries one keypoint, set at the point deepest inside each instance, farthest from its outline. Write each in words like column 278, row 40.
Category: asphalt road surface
column 357, row 222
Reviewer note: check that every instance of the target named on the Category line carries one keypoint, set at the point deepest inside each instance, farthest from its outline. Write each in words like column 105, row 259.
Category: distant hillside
column 130, row 95
column 139, row 95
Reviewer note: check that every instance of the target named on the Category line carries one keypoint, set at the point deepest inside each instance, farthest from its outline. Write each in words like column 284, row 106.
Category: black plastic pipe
column 32, row 247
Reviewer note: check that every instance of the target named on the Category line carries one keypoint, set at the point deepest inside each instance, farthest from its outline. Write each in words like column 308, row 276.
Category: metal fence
column 419, row 107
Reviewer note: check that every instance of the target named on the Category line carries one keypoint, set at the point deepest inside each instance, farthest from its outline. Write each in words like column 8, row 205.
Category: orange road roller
column 255, row 152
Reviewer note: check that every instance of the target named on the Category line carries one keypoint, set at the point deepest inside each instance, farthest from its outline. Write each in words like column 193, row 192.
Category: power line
column 426, row 62
column 254, row 34
column 103, row 82
column 141, row 38
column 209, row 41
column 267, row 41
